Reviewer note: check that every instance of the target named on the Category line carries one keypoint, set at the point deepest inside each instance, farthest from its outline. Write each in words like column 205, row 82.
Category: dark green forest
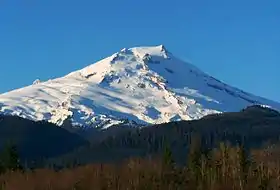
column 253, row 127
column 36, row 140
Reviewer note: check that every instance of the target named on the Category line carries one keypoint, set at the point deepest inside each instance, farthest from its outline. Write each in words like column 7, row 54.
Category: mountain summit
column 146, row 85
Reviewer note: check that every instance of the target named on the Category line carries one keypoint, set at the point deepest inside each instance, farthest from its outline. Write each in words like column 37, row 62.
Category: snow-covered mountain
column 145, row 85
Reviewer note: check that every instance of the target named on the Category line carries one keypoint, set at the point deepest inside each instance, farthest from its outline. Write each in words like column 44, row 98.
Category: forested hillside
column 253, row 127
column 37, row 140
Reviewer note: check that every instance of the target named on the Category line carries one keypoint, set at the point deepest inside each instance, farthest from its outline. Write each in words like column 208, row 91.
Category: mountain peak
column 140, row 57
column 146, row 84
column 158, row 50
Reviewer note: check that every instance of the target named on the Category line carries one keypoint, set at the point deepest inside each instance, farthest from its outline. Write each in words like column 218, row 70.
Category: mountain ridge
column 147, row 85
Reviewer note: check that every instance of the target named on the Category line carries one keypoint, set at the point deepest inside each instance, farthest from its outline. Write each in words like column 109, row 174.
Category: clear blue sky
column 237, row 41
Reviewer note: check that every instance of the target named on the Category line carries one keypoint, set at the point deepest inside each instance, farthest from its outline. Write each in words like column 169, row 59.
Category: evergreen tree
column 167, row 156
column 9, row 159
column 194, row 157
column 2, row 168
column 243, row 164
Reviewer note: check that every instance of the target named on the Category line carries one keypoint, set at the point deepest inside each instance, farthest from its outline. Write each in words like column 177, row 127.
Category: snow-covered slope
column 146, row 85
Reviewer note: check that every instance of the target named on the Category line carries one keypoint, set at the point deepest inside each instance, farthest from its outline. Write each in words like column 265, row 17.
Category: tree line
column 224, row 167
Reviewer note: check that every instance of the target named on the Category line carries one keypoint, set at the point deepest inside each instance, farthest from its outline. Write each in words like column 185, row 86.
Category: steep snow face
column 146, row 85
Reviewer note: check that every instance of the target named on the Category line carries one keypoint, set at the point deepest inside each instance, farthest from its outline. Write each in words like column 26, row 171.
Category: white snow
column 37, row 81
column 144, row 84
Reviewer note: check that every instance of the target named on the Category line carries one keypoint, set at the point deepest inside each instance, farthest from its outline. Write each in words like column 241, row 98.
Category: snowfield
column 146, row 85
